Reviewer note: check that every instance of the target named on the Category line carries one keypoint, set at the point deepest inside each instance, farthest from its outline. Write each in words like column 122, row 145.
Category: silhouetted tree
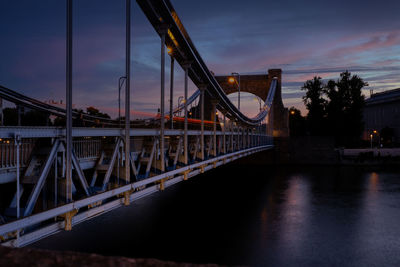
column 10, row 116
column 95, row 112
column 345, row 108
column 297, row 123
column 315, row 104
column 387, row 136
column 36, row 118
column 334, row 109
column 79, row 120
column 28, row 117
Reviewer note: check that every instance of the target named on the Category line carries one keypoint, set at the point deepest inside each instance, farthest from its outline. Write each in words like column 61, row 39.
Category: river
column 255, row 215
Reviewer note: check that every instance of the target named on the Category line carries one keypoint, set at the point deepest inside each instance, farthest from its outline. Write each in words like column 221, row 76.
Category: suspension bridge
column 53, row 177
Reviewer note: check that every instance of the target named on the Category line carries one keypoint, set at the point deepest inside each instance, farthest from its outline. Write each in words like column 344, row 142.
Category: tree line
column 335, row 108
column 30, row 117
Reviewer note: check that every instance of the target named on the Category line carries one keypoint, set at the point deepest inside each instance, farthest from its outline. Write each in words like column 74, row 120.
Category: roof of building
column 384, row 97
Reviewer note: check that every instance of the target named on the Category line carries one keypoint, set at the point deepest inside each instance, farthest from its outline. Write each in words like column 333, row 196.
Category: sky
column 303, row 38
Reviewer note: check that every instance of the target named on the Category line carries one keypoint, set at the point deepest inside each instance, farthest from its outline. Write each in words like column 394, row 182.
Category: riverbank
column 317, row 150
column 41, row 257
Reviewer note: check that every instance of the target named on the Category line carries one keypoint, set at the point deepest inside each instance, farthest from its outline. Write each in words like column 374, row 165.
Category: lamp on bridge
column 233, row 80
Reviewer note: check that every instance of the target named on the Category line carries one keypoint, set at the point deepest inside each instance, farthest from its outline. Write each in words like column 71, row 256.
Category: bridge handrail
column 76, row 205
column 9, row 132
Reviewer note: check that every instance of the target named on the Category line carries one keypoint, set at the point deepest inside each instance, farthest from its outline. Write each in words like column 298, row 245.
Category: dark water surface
column 322, row 216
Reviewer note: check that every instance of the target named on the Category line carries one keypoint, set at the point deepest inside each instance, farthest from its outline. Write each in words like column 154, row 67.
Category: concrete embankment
column 316, row 150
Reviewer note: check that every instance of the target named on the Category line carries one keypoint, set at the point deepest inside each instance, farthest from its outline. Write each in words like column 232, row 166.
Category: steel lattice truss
column 35, row 157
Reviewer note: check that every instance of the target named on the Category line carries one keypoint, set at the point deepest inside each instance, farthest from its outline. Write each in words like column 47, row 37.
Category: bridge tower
column 258, row 85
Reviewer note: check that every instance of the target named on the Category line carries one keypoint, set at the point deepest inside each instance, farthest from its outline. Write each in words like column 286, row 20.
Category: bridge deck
column 21, row 233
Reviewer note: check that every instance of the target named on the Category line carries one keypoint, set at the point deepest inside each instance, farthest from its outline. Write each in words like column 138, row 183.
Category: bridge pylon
column 259, row 85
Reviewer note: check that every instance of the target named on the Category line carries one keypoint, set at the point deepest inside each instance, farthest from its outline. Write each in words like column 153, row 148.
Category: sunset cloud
column 304, row 38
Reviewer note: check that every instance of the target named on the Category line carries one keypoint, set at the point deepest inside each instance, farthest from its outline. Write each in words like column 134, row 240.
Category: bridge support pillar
column 224, row 137
column 237, row 138
column 243, row 137
column 279, row 115
column 163, row 32
column 1, row 112
column 68, row 107
column 171, row 92
column 202, row 89
column 186, row 67
column 127, row 90
column 231, row 136
column 214, row 120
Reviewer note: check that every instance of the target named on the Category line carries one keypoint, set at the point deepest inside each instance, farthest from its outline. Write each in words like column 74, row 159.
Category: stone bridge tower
column 259, row 85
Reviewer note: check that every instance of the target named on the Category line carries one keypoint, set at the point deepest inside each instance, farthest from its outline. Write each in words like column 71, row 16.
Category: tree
column 10, row 116
column 95, row 112
column 27, row 117
column 334, row 109
column 315, row 104
column 345, row 108
column 297, row 123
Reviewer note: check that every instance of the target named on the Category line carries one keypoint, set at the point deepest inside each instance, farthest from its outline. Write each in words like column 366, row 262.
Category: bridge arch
column 259, row 85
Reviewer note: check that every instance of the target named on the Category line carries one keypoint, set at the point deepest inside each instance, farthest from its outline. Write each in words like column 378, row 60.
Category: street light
column 371, row 135
column 232, row 80
column 169, row 50
column 120, row 84
column 378, row 136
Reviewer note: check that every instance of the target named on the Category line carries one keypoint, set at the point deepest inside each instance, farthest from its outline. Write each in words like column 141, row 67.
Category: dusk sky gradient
column 303, row 38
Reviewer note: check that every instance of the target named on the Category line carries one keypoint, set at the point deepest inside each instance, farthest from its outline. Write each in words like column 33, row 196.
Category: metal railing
column 87, row 148
column 8, row 153
column 84, row 149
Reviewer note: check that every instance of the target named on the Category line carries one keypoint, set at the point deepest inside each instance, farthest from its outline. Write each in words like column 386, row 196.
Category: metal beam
column 185, row 126
column 57, row 132
column 69, row 102
column 171, row 93
column 80, row 173
column 111, row 164
column 127, row 90
column 42, row 178
column 202, row 95
column 163, row 32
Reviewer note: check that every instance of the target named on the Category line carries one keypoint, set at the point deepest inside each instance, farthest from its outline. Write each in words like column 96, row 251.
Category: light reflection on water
column 235, row 215
column 295, row 215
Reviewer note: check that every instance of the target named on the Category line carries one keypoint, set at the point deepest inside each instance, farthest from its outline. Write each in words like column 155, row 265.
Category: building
column 382, row 116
